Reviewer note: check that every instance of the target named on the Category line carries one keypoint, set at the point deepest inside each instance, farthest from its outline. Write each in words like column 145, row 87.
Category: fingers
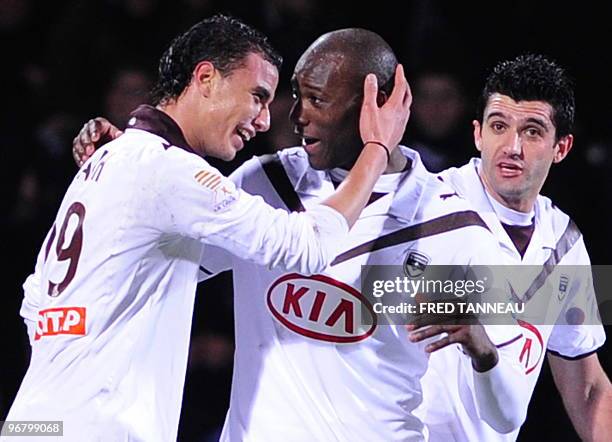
column 103, row 131
column 370, row 90
column 83, row 145
column 115, row 132
column 434, row 330
column 76, row 151
column 401, row 91
column 93, row 129
column 93, row 133
column 400, row 85
column 439, row 344
column 425, row 320
column 455, row 334
column 473, row 339
column 407, row 96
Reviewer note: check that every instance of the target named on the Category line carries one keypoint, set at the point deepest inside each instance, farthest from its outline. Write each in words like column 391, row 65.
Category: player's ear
column 562, row 148
column 477, row 134
column 204, row 77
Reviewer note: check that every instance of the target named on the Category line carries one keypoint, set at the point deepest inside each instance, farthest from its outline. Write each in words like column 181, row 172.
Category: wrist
column 485, row 361
column 381, row 145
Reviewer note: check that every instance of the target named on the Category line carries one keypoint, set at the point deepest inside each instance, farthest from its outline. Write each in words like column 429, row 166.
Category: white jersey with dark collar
column 109, row 306
column 558, row 247
column 305, row 367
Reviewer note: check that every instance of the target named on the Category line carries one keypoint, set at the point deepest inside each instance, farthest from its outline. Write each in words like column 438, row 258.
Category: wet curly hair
column 533, row 77
column 223, row 40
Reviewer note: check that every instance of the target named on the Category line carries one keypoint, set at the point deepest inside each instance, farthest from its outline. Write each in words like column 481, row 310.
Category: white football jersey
column 561, row 285
column 110, row 303
column 312, row 363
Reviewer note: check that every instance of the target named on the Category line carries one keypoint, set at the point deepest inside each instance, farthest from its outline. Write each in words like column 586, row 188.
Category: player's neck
column 523, row 203
column 183, row 114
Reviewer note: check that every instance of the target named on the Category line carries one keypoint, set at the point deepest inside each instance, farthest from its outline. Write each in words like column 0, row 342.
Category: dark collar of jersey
column 373, row 196
column 520, row 236
column 159, row 123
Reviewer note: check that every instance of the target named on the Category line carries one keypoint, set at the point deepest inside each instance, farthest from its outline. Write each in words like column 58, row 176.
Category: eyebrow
column 533, row 120
column 539, row 122
column 496, row 114
column 265, row 93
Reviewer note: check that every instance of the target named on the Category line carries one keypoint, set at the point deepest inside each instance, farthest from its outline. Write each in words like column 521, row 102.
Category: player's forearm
column 501, row 396
column 587, row 394
column 591, row 410
column 601, row 410
column 354, row 192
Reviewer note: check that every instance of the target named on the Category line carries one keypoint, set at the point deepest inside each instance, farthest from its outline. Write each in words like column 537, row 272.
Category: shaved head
column 357, row 53
column 328, row 85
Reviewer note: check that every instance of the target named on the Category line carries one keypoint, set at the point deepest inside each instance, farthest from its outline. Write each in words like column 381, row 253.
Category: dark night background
column 64, row 62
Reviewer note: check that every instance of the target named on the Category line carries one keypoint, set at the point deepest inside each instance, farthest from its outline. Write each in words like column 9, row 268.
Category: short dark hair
column 533, row 77
column 224, row 41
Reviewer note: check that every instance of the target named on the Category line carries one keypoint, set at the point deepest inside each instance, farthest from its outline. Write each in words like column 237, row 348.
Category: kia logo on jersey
column 533, row 347
column 319, row 307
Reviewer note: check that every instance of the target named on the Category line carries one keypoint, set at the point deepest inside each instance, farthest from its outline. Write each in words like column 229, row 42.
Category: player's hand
column 388, row 122
column 93, row 134
column 473, row 338
column 463, row 329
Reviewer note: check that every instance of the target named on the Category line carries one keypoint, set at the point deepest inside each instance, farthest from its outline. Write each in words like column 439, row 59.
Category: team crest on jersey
column 415, row 263
column 321, row 308
column 563, row 284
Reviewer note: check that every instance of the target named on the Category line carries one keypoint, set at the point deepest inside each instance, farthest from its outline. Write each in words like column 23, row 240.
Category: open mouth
column 309, row 141
column 244, row 134
column 510, row 169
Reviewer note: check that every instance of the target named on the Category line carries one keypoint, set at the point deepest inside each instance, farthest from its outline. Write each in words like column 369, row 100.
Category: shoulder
column 149, row 149
column 292, row 162
column 437, row 201
column 555, row 218
column 566, row 235
column 440, row 198
column 461, row 179
column 454, row 225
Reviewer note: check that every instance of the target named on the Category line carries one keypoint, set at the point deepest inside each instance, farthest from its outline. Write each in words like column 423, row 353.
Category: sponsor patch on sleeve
column 61, row 321
column 209, row 179
column 224, row 190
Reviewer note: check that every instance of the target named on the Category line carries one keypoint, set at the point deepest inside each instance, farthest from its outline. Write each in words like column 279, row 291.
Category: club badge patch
column 415, row 263
column 563, row 284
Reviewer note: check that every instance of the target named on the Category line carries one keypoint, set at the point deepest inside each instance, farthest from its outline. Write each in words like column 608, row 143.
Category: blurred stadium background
column 66, row 61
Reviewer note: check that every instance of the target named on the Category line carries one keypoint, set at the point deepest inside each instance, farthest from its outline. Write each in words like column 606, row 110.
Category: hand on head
column 385, row 124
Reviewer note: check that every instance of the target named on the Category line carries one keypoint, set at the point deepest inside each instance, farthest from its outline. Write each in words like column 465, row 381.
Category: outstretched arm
column 384, row 125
